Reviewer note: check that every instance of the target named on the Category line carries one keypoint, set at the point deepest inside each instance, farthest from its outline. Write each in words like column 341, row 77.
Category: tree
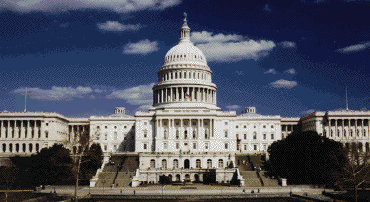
column 357, row 167
column 80, row 144
column 303, row 157
column 8, row 175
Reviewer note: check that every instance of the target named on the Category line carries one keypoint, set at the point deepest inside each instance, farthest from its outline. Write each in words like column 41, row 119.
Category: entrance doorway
column 186, row 164
column 196, row 176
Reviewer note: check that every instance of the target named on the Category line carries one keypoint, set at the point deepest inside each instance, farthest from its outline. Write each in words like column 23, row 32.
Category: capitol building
column 184, row 134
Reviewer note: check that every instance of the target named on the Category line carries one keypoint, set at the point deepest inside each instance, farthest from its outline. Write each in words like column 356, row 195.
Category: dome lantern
column 184, row 30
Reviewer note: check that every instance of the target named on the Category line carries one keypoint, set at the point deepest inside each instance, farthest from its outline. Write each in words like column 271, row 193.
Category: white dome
column 185, row 52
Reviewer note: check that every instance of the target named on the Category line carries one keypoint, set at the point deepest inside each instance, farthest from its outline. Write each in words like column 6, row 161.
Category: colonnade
column 20, row 129
column 76, row 130
column 185, row 94
column 287, row 129
column 184, row 75
column 346, row 128
column 187, row 129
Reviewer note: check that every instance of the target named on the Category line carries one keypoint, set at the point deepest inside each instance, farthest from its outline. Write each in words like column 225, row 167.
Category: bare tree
column 8, row 176
column 79, row 144
column 357, row 168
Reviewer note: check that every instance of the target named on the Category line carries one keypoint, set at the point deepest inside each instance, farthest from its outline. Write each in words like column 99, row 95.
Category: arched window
column 24, row 147
column 209, row 163
column 220, row 163
column 197, row 163
column 176, row 75
column 351, row 133
column 10, row 147
column 37, row 147
column 152, row 163
column 185, row 134
column 338, row 133
column 358, row 133
column 164, row 164
column 175, row 164
column 30, row 147
column 360, row 146
column 4, row 147
column 367, row 147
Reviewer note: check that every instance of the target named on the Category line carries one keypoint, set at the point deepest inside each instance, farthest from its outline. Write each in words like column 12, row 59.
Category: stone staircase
column 118, row 171
column 251, row 179
column 269, row 182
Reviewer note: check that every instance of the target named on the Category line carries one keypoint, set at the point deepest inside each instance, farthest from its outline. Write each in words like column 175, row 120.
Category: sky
column 84, row 57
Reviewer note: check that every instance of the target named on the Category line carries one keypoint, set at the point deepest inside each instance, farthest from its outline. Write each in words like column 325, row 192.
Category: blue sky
column 85, row 57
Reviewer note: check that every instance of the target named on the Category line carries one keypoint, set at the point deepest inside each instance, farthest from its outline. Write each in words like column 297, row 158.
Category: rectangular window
column 145, row 146
column 264, row 147
column 105, row 147
column 264, row 136
column 272, row 136
column 245, row 147
column 245, row 136
column 206, row 146
column 226, row 146
column 164, row 145
column 106, row 136
column 226, row 134
column 194, row 145
column 255, row 147
column 177, row 145
column 145, row 134
column 97, row 137
column 115, row 147
column 115, row 135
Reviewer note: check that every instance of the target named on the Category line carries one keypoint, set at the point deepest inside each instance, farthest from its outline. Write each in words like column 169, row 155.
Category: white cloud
column 290, row 71
column 206, row 37
column 118, row 6
column 141, row 47
column 116, row 26
column 287, row 44
column 232, row 107
column 138, row 95
column 354, row 48
column 223, row 52
column 55, row 93
column 283, row 84
column 270, row 71
column 307, row 112
column 267, row 8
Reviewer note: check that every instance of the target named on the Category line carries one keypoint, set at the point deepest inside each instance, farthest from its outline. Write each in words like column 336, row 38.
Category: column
column 356, row 134
column 329, row 132
column 41, row 131
column 210, row 128
column 171, row 100
column 362, row 128
column 28, row 134
column 187, row 91
column 22, row 130
column 181, row 129
column 203, row 96
column 157, row 96
column 182, row 94
column 2, row 133
column 8, row 130
column 198, row 131
column 161, row 95
column 215, row 98
column 343, row 129
column 177, row 94
column 192, row 94
column 336, row 129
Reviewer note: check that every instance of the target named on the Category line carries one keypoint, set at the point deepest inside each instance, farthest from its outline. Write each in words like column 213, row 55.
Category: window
column 205, row 123
column 254, row 135
column 272, row 136
column 254, row 126
column 194, row 145
column 264, row 147
column 245, row 147
column 226, row 145
column 197, row 163
column 175, row 164
column 152, row 163
column 206, row 146
column 165, row 123
column 115, row 127
column 145, row 123
column 226, row 134
column 255, row 147
column 194, row 123
column 97, row 136
column 98, row 127
column 105, row 147
column 177, row 145
column 177, row 134
column 245, row 136
column 236, row 126
column 164, row 145
column 245, row 126
column 145, row 146
column 206, row 134
column 225, row 123
column 46, row 134
column 106, row 136
column 114, row 147
column 186, row 134
column 106, row 127
column 220, row 163
column 47, row 124
column 145, row 134
column 165, row 134
column 194, row 134
column 209, row 163
column 115, row 135
column 124, row 127
column 272, row 126
column 164, row 164
column 264, row 136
